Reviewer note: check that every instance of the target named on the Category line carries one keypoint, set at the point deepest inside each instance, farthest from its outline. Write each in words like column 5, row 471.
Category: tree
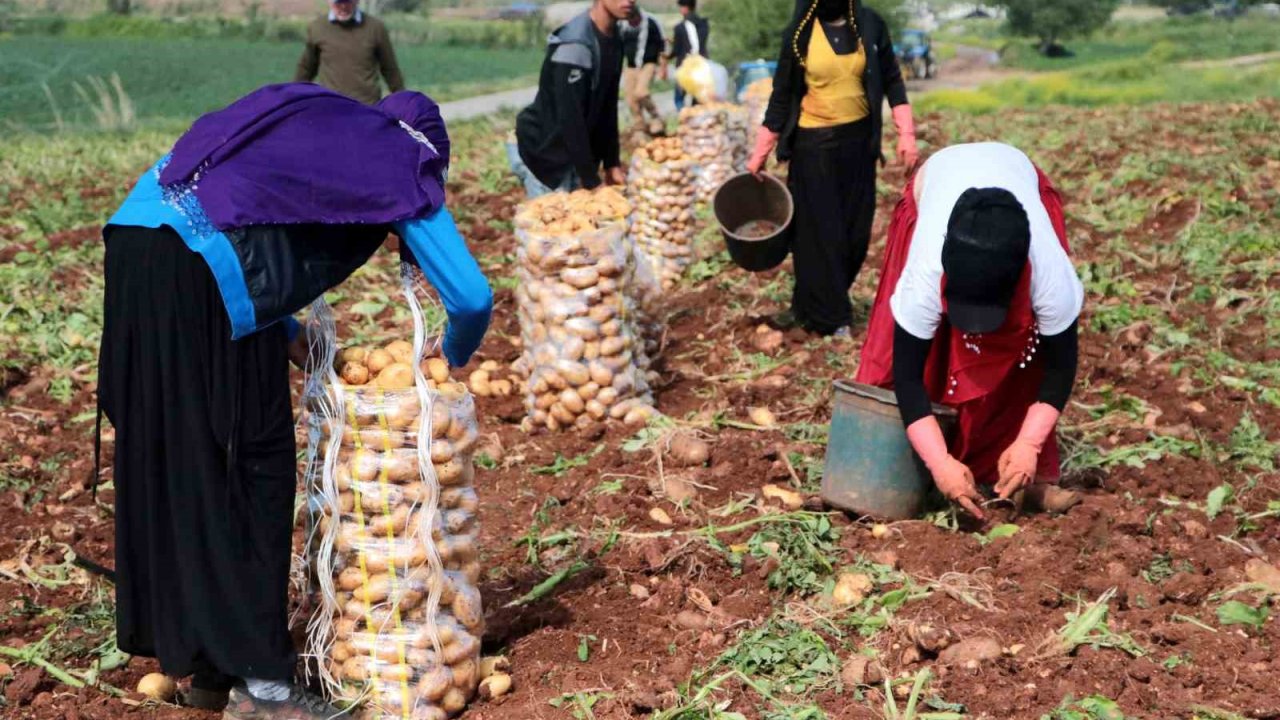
column 119, row 7
column 752, row 29
column 1052, row 21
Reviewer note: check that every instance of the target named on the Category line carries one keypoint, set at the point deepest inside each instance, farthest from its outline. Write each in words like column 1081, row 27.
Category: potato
column 639, row 415
column 434, row 683
column 355, row 373
column 365, row 465
column 442, row 451
column 396, row 376
column 401, row 554
column 376, row 589
column 500, row 388
column 576, row 374
column 688, row 450
column 454, row 701
column 495, row 686
column 479, row 382
column 467, row 608
column 378, row 360
column 573, row 402
column 450, row 473
column 437, row 369
column 400, row 351
column 157, row 686
column 352, row 355
column 463, row 647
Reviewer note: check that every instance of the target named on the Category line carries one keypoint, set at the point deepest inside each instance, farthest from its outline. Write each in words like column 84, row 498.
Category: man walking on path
column 643, row 46
column 571, row 129
column 348, row 50
column 690, row 37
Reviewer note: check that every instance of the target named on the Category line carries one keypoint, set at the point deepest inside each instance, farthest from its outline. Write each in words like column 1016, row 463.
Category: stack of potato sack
column 660, row 186
column 399, row 618
column 582, row 359
column 755, row 98
column 715, row 135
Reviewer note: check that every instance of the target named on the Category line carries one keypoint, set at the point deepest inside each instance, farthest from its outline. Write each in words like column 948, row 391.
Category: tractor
column 915, row 54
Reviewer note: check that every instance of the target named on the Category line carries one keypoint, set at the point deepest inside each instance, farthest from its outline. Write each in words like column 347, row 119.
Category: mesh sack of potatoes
column 582, row 359
column 393, row 547
column 715, row 136
column 660, row 187
column 755, row 99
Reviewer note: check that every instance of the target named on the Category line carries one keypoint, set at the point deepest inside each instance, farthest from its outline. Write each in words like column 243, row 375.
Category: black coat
column 882, row 78
column 682, row 45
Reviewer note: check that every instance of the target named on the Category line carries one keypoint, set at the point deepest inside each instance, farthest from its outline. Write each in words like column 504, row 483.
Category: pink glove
column 953, row 478
column 766, row 141
column 908, row 153
column 1018, row 463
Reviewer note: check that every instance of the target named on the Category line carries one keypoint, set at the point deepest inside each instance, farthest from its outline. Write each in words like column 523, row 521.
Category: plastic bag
column 705, row 80
column 660, row 185
column 715, row 135
column 393, row 542
column 582, row 357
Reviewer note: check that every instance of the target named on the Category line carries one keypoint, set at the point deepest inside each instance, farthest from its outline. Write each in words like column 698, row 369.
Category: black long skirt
column 204, row 466
column 833, row 180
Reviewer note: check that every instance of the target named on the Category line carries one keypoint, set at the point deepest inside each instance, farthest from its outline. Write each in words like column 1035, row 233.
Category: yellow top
column 836, row 95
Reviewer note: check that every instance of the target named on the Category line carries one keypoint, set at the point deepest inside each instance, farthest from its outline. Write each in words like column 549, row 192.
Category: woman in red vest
column 977, row 309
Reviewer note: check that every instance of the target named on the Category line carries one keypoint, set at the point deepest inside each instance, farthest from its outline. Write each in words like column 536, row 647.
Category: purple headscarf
column 298, row 153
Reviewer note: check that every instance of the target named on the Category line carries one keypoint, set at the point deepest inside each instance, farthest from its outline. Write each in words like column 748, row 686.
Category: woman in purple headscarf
column 259, row 209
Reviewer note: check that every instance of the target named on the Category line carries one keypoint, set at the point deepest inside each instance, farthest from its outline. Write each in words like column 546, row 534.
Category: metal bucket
column 871, row 468
column 743, row 199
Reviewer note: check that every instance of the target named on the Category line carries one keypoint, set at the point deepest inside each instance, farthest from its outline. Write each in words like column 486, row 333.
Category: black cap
column 983, row 256
column 691, row 4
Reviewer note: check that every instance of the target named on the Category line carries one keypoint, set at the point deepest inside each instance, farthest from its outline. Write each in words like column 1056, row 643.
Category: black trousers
column 833, row 180
column 204, row 466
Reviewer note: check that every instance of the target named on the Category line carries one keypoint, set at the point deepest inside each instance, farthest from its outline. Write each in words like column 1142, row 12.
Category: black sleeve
column 571, row 114
column 605, row 134
column 910, row 354
column 1061, row 358
column 895, row 88
column 778, row 112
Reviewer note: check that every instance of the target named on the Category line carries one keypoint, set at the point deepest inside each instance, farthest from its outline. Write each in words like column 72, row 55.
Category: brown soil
column 635, row 605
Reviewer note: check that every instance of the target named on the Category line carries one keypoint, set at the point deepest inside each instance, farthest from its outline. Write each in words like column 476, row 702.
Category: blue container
column 749, row 72
column 871, row 468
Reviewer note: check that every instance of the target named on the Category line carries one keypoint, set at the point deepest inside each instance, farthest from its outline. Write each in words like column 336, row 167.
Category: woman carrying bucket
column 256, row 211
column 836, row 67
column 977, row 309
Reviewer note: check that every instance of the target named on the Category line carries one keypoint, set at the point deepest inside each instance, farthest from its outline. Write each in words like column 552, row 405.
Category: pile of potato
column 581, row 357
column 660, row 186
column 755, row 98
column 389, row 551
column 715, row 135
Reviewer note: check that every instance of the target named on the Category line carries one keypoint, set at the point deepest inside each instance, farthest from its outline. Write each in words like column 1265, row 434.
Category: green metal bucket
column 871, row 468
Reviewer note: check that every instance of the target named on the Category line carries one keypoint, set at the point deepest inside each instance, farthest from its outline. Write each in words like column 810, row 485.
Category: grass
column 183, row 78
column 1127, row 82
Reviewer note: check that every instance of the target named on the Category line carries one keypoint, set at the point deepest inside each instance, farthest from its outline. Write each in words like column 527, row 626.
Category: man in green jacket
column 348, row 49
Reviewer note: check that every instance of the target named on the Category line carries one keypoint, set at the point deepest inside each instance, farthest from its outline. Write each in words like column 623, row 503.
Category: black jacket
column 882, row 78
column 654, row 44
column 572, row 124
column 680, row 43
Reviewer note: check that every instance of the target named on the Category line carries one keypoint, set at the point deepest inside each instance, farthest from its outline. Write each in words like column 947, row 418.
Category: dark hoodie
column 572, row 124
column 881, row 78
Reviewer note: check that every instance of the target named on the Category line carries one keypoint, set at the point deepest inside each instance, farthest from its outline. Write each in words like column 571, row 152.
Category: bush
column 1051, row 21
column 752, row 29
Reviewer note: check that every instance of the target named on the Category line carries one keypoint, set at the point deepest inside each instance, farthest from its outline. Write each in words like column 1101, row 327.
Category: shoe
column 784, row 320
column 1049, row 499
column 843, row 333
column 300, row 705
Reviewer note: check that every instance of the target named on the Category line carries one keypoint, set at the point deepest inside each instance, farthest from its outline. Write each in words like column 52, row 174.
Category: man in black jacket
column 571, row 129
column 690, row 37
column 643, row 46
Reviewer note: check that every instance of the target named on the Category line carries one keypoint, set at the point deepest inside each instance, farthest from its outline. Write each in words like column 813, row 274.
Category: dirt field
column 1172, row 214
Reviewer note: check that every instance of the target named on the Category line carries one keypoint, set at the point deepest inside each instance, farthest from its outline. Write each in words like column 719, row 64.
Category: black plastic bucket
column 743, row 199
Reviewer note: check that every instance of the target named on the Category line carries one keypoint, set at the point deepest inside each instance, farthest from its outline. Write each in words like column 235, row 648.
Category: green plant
column 911, row 710
column 1234, row 612
column 1094, row 707
column 562, row 465
column 1087, row 625
column 786, row 657
column 802, row 551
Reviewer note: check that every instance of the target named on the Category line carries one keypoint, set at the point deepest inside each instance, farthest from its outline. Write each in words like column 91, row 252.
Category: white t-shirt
column 1057, row 295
